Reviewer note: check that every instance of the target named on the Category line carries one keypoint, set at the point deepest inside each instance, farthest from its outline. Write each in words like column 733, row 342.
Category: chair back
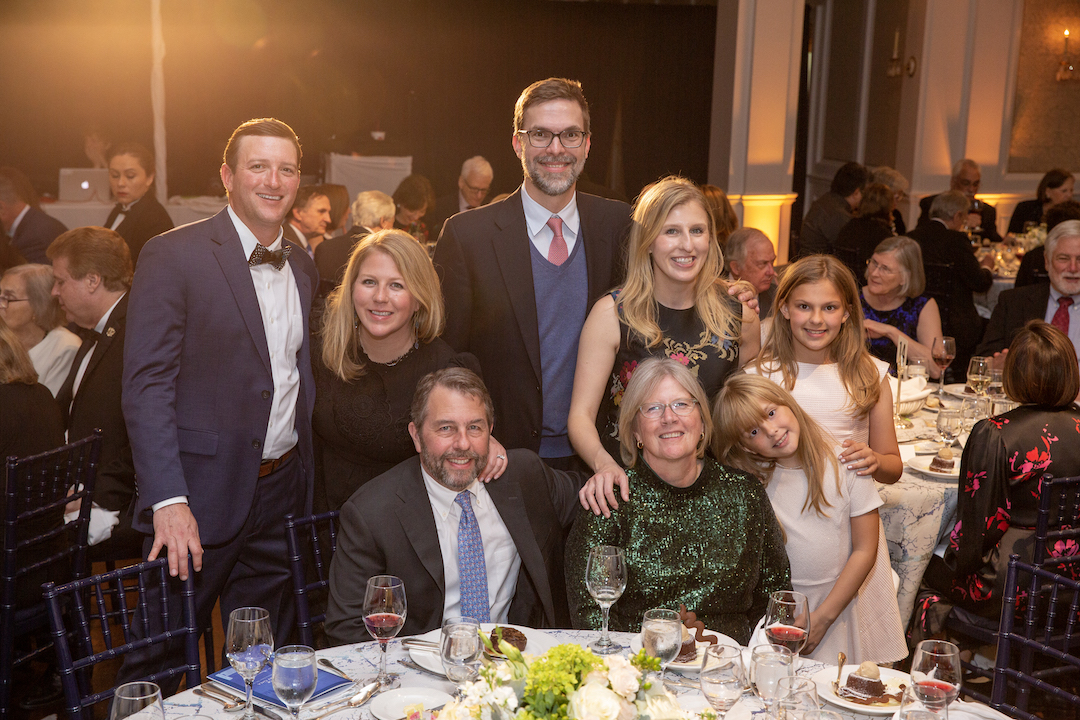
column 36, row 543
column 1057, row 528
column 1049, row 631
column 939, row 278
column 79, row 611
column 850, row 257
column 312, row 540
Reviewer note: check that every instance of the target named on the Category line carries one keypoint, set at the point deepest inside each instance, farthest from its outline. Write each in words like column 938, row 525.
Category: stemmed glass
column 249, row 645
column 605, row 577
column 460, row 649
column 661, row 636
column 721, row 677
column 797, row 696
column 769, row 663
column 948, row 425
column 787, row 620
column 294, row 676
column 943, row 351
column 935, row 674
column 912, row 706
column 384, row 614
column 137, row 697
column 978, row 375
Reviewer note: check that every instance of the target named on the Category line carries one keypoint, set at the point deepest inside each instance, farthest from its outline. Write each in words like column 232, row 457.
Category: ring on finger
column 501, row 457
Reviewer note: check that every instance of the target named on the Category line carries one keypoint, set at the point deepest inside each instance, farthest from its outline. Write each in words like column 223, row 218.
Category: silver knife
column 259, row 707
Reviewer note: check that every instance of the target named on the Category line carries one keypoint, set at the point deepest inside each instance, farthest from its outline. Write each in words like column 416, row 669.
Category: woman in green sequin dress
column 695, row 533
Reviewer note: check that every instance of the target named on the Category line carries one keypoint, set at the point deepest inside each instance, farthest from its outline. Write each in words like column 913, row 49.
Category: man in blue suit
column 218, row 390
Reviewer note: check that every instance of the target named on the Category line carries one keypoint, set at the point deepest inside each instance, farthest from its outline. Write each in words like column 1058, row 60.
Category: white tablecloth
column 367, row 173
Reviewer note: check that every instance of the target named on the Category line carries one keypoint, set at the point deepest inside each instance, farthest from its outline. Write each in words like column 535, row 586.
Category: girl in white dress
column 828, row 513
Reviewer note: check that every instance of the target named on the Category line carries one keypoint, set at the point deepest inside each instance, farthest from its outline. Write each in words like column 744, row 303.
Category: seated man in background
column 474, row 184
column 750, row 257
column 30, row 229
column 308, row 218
column 966, row 178
column 372, row 210
column 1033, row 266
column 493, row 552
column 832, row 211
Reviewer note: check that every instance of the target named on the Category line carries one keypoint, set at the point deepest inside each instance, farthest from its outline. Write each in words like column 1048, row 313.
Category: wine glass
column 916, row 367
column 973, row 410
column 294, row 676
column 661, row 636
column 249, row 645
column 821, row 715
column 948, row 425
column 137, row 697
column 605, row 577
column 787, row 620
column 721, row 676
column 935, row 674
column 943, row 351
column 997, row 388
column 384, row 614
column 460, row 649
column 913, row 708
column 797, row 695
column 978, row 374
column 769, row 663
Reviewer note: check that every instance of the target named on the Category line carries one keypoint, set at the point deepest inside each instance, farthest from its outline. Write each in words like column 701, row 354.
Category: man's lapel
column 233, row 263
column 506, row 494
column 513, row 252
column 113, row 329
column 418, row 521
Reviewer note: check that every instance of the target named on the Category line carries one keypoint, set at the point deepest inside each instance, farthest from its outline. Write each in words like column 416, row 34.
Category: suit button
column 535, row 433
column 266, row 394
column 256, row 444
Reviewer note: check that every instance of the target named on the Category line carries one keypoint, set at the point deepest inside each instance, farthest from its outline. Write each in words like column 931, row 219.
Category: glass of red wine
column 384, row 614
column 943, row 351
column 787, row 620
column 935, row 674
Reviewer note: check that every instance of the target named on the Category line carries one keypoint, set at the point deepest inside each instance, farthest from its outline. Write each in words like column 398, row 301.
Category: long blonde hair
column 341, row 349
column 848, row 350
column 739, row 408
column 710, row 292
column 15, row 363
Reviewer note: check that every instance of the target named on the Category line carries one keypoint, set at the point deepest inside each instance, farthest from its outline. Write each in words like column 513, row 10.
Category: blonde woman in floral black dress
column 673, row 304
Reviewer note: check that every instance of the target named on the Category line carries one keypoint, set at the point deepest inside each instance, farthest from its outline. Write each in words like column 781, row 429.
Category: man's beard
column 549, row 184
column 445, row 475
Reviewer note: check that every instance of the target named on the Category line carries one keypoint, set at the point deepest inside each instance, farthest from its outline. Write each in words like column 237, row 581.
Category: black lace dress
column 362, row 427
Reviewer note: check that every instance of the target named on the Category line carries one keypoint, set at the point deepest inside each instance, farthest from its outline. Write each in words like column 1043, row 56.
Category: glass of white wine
column 978, row 375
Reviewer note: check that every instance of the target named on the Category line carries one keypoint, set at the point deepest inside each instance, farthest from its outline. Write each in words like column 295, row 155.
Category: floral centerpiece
column 1033, row 238
column 568, row 682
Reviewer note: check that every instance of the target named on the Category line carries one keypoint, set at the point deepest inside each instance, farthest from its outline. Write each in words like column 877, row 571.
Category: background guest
column 338, row 195
column 380, row 336
column 673, row 304
column 894, row 307
column 725, row 221
column 896, row 182
column 137, row 216
column 966, row 179
column 830, row 212
column 1055, row 188
column 413, row 196
column 999, row 481
column 308, row 218
column 34, row 315
column 862, row 234
column 473, row 186
column 372, row 210
column 1033, row 266
column 684, row 505
column 29, row 228
column 750, row 257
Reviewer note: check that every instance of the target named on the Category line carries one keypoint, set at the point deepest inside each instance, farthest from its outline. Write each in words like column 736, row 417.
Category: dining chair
column 79, row 614
column 312, row 540
column 37, row 545
column 1049, row 631
column 850, row 257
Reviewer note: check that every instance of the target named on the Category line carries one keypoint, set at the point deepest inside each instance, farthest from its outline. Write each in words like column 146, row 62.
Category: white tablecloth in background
column 367, row 173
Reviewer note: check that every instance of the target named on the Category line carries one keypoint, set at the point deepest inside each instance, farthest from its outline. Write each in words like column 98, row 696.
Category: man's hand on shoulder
column 175, row 529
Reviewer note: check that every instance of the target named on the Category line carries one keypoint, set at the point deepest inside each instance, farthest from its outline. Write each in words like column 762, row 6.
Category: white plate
column 922, row 464
column 928, row 448
column 825, row 678
column 391, row 704
column 537, row 643
column 695, row 664
column 957, row 390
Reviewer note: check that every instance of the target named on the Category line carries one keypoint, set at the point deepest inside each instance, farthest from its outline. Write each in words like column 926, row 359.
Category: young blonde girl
column 828, row 513
column 816, row 349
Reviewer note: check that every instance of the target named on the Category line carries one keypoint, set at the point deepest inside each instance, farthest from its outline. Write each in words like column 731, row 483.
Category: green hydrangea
column 552, row 678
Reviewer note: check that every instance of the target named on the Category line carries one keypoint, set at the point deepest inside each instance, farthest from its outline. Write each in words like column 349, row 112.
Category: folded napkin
column 913, row 388
column 960, row 710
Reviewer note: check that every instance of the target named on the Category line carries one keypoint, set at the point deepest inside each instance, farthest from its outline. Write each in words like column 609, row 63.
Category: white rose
column 624, row 677
column 659, row 706
column 593, row 701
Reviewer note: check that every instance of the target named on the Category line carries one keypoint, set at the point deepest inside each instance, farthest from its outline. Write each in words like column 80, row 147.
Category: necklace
column 399, row 358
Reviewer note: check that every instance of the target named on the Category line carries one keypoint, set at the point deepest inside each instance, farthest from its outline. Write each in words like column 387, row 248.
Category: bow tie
column 88, row 335
column 277, row 258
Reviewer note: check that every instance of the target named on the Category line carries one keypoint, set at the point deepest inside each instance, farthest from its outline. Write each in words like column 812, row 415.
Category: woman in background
column 861, row 234
column 35, row 318
column 725, row 221
column 137, row 216
column 1055, row 188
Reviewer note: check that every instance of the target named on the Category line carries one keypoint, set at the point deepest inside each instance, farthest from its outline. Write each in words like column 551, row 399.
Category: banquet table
column 182, row 210
column 361, row 662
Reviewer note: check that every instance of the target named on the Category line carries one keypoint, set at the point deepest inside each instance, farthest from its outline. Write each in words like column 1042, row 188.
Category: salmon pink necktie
column 557, row 253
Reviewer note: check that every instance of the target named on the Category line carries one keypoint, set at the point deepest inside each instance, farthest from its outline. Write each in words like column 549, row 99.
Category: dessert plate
column 922, row 464
column 391, row 704
column 825, row 678
column 537, row 643
column 694, row 665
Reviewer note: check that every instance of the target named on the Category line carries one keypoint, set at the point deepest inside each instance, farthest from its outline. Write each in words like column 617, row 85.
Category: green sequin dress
column 714, row 546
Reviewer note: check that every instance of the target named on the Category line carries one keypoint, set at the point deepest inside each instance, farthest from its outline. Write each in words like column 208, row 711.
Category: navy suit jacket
column 1013, row 310
column 197, row 379
column 35, row 233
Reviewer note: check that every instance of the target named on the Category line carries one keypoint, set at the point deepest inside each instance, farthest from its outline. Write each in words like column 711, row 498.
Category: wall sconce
column 1066, row 70
column 895, row 67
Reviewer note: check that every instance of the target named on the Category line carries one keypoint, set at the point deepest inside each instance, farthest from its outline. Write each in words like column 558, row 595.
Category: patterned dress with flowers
column 1003, row 461
column 686, row 340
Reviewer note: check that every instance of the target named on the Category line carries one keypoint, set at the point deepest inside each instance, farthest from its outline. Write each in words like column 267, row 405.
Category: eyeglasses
column 477, row 190
column 883, row 269
column 5, row 301
column 653, row 411
column 567, row 138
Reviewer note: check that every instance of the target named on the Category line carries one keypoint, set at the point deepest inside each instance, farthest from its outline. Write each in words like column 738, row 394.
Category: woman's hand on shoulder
column 496, row 462
column 859, row 457
column 598, row 493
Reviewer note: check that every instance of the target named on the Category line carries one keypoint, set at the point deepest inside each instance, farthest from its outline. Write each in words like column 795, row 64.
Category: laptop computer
column 85, row 185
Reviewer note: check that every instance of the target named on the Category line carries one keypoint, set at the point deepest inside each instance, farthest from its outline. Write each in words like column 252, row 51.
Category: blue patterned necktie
column 472, row 571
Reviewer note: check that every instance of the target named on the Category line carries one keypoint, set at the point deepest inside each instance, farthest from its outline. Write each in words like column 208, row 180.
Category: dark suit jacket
column 332, row 255
column 961, row 320
column 484, row 260
column 989, row 217
column 445, row 208
column 197, row 381
column 1033, row 268
column 388, row 528
column 9, row 256
column 34, row 234
column 1013, row 310
column 97, row 405
column 143, row 220
column 1026, row 211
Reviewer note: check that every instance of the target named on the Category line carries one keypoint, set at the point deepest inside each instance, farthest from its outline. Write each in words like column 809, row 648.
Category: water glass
column 249, row 644
column 821, row 715
column 721, row 676
column 661, row 636
column 912, row 707
column 769, row 663
column 294, row 676
column 797, row 695
column 460, row 649
column 137, row 697
column 948, row 425
column 972, row 410
column 605, row 578
column 997, row 386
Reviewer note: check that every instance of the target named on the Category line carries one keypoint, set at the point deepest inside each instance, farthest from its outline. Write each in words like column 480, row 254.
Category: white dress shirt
column 536, row 217
column 18, row 219
column 501, row 559
column 1074, row 316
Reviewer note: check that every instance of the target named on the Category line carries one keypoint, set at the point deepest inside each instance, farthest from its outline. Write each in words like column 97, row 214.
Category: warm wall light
column 895, row 67
column 1066, row 70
